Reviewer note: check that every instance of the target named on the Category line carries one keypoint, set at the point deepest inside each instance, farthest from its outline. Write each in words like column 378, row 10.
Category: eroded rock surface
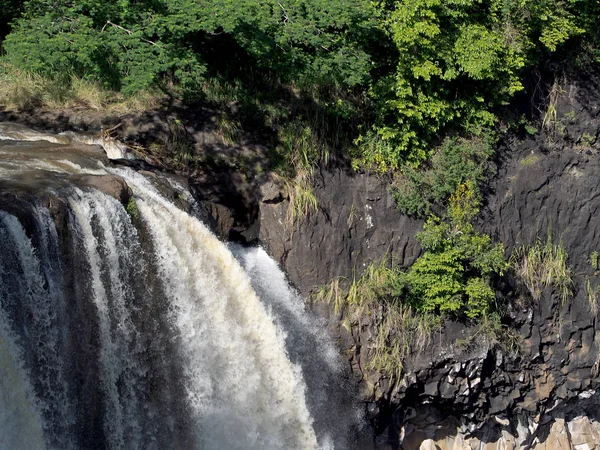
column 475, row 397
column 356, row 223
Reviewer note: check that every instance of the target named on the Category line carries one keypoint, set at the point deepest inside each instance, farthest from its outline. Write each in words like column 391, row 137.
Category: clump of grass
column 378, row 281
column 492, row 333
column 299, row 152
column 301, row 198
column 543, row 265
column 332, row 293
column 374, row 297
column 21, row 90
column 550, row 116
column 300, row 147
column 531, row 159
column 180, row 144
column 592, row 293
column 400, row 332
column 594, row 260
column 228, row 129
column 145, row 100
column 89, row 93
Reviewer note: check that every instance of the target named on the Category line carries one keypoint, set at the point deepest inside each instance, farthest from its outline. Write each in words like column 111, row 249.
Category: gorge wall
column 543, row 396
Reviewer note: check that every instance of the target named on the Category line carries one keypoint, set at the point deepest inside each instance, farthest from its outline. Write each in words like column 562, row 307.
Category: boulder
column 112, row 185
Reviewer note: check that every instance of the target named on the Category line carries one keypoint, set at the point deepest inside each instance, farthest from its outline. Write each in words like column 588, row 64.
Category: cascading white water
column 36, row 313
column 245, row 392
column 120, row 366
column 308, row 344
column 146, row 332
column 20, row 416
column 289, row 308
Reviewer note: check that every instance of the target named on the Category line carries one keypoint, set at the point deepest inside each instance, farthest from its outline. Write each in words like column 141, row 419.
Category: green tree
column 458, row 61
column 131, row 44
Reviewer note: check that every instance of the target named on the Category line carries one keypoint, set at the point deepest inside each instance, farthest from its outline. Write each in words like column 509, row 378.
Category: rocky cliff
column 543, row 395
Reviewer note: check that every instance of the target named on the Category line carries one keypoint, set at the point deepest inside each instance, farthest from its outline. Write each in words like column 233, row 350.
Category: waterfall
column 308, row 345
column 110, row 251
column 30, row 298
column 144, row 331
column 243, row 390
column 20, row 416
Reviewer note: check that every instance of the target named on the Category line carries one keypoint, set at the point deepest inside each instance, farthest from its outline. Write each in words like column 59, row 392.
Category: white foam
column 244, row 390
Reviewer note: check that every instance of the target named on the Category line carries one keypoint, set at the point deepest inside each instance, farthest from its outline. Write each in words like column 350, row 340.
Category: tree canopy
column 457, row 62
column 419, row 69
column 131, row 44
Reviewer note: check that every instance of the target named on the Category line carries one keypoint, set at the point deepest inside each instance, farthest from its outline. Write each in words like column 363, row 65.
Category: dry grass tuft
column 302, row 200
column 374, row 299
column 20, row 90
column 592, row 293
column 542, row 265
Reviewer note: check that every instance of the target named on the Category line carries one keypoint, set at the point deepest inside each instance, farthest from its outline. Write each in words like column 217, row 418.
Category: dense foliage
column 132, row 44
column 458, row 60
column 457, row 161
column 453, row 275
column 395, row 76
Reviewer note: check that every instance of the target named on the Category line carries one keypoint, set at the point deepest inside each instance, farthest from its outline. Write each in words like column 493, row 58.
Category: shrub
column 454, row 273
column 114, row 41
column 132, row 209
column 457, row 161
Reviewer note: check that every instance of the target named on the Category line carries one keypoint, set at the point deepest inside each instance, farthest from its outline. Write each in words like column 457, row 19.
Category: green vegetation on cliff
column 543, row 265
column 453, row 274
column 456, row 161
column 453, row 279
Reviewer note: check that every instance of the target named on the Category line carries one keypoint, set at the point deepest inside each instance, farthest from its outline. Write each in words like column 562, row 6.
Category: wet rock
column 112, row 185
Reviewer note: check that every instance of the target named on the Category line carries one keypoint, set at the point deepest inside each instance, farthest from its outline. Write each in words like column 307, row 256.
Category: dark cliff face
column 356, row 223
column 545, row 184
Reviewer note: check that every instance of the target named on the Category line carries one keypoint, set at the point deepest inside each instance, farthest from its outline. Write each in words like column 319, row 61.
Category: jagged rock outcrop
column 356, row 223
